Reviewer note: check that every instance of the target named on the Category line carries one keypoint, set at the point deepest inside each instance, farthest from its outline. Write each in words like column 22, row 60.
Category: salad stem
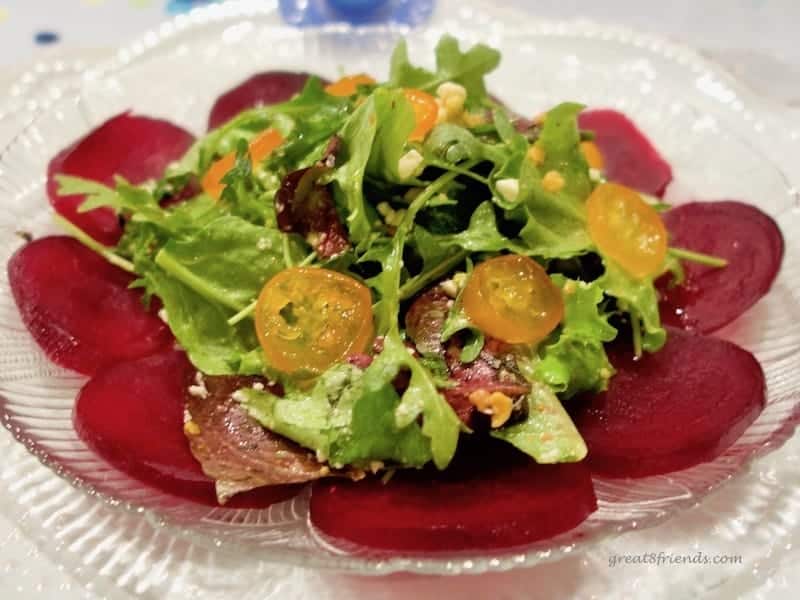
column 85, row 239
column 198, row 284
column 460, row 171
column 636, row 327
column 414, row 285
column 698, row 257
column 243, row 314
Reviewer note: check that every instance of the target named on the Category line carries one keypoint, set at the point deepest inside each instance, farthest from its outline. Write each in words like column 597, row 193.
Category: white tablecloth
column 756, row 39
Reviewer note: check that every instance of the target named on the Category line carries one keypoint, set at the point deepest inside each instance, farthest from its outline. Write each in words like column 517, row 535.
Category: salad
column 391, row 286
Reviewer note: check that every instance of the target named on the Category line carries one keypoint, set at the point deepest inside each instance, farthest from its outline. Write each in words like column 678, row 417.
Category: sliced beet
column 490, row 497
column 78, row 307
column 135, row 147
column 713, row 297
column 132, row 415
column 630, row 158
column 263, row 89
column 679, row 407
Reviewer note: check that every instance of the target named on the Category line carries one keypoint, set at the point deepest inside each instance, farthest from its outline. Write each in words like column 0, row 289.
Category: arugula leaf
column 547, row 434
column 482, row 234
column 357, row 136
column 466, row 68
column 201, row 326
column 347, row 417
column 228, row 261
column 639, row 298
column 560, row 139
column 396, row 121
column 573, row 359
column 457, row 321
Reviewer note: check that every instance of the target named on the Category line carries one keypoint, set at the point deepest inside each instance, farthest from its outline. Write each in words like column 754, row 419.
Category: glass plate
column 719, row 139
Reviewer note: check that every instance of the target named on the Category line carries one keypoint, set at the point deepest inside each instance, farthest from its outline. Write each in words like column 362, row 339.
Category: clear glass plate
column 718, row 138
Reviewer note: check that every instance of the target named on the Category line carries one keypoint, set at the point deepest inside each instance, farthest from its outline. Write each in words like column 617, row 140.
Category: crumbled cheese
column 553, row 181
column 321, row 456
column 162, row 314
column 408, row 165
column 536, row 154
column 454, row 285
column 258, row 386
column 596, row 175
column 239, row 396
column 198, row 391
column 508, row 189
column 570, row 287
column 449, row 287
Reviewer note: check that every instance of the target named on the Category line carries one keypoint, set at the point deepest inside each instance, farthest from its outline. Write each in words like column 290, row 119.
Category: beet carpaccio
column 449, row 321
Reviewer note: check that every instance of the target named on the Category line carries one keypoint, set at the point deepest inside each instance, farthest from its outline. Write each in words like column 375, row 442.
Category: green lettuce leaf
column 573, row 358
column 547, row 434
column 466, row 68
column 347, row 418
column 228, row 261
column 637, row 297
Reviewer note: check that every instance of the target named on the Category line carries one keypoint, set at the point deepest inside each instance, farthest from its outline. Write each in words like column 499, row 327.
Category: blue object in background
column 46, row 38
column 357, row 12
column 175, row 7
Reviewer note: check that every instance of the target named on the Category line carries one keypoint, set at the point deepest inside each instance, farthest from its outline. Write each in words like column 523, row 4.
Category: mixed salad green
column 371, row 186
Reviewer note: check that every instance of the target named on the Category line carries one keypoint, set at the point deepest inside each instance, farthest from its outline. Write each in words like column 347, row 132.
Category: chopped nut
column 553, row 181
column 495, row 404
column 191, row 428
column 384, row 209
column 473, row 119
column 536, row 155
column 508, row 189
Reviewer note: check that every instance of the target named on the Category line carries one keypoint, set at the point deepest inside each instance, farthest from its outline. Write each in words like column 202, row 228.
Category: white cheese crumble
column 408, row 165
column 198, row 390
column 162, row 314
column 258, row 386
column 508, row 189
column 596, row 175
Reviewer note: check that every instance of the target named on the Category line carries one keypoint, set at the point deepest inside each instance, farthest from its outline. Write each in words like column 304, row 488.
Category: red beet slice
column 131, row 414
column 630, row 158
column 679, row 407
column 489, row 498
column 263, row 89
column 137, row 148
column 713, row 297
column 78, row 307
